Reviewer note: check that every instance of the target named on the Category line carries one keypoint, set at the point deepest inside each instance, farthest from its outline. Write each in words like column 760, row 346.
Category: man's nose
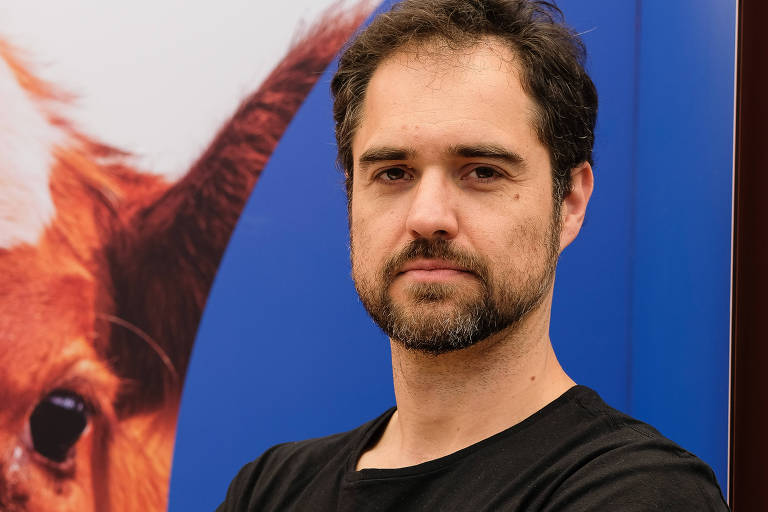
column 432, row 211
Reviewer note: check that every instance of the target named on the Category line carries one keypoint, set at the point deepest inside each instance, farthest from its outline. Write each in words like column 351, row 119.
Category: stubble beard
column 437, row 318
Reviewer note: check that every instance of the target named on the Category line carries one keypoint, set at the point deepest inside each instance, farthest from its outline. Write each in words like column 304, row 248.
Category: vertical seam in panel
column 632, row 206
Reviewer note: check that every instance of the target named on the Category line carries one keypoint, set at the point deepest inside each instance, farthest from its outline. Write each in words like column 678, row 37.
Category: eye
column 393, row 174
column 483, row 172
column 57, row 423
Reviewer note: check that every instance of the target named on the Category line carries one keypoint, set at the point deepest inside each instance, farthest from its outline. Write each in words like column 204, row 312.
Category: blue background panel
column 590, row 313
column 682, row 229
column 285, row 351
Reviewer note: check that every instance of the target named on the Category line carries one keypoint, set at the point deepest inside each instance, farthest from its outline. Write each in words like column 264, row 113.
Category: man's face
column 453, row 232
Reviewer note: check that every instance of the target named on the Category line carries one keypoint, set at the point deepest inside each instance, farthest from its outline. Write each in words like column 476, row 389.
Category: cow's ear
column 164, row 257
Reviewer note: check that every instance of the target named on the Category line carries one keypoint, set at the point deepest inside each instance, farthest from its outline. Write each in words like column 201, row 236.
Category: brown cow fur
column 107, row 303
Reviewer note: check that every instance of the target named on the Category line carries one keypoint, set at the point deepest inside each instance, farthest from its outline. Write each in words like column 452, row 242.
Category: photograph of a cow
column 104, row 274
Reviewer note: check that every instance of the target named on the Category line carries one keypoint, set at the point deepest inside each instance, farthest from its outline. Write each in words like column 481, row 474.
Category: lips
column 431, row 265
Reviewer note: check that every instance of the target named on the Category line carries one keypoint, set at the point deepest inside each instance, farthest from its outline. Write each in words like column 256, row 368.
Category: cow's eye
column 57, row 423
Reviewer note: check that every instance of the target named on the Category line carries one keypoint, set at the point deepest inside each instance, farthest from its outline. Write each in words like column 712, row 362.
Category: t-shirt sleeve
column 653, row 475
column 237, row 494
column 241, row 490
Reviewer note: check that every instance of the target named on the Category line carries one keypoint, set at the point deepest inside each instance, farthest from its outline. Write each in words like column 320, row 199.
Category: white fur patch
column 26, row 143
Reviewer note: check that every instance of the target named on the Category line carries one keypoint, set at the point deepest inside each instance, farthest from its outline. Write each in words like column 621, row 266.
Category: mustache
column 438, row 248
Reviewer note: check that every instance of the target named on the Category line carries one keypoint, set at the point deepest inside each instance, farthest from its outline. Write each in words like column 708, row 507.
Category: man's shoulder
column 610, row 419
column 612, row 430
column 607, row 432
column 308, row 453
column 308, row 449
column 616, row 459
column 286, row 468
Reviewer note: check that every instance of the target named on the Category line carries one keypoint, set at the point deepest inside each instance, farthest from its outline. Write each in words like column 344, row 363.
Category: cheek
column 362, row 248
column 369, row 240
column 523, row 244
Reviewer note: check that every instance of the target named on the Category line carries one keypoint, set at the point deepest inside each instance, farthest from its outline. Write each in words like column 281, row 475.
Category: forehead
column 455, row 93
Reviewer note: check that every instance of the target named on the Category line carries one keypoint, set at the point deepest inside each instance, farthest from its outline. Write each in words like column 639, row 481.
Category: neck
column 453, row 400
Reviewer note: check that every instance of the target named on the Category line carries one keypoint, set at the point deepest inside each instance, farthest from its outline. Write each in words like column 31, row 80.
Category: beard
column 437, row 318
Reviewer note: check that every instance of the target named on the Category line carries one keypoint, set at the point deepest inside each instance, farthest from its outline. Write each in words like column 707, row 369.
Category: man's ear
column 575, row 203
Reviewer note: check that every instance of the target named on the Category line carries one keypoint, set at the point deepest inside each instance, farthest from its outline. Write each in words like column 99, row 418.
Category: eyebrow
column 385, row 154
column 486, row 151
column 492, row 151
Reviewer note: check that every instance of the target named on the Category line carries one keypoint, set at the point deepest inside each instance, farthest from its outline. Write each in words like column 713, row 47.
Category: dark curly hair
column 550, row 54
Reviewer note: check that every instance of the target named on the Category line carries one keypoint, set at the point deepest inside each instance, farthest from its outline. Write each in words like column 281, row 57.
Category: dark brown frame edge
column 749, row 351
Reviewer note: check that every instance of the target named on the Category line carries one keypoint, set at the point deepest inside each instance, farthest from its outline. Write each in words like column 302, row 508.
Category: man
column 465, row 129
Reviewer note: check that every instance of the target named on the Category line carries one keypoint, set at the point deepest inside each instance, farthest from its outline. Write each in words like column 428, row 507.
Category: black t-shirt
column 575, row 454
